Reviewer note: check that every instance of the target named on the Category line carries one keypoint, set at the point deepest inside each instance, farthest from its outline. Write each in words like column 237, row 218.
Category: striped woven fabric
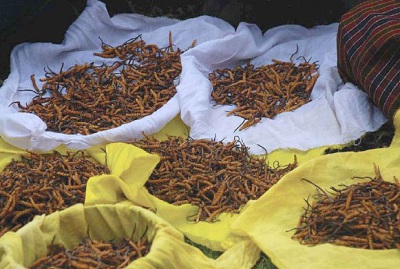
column 369, row 51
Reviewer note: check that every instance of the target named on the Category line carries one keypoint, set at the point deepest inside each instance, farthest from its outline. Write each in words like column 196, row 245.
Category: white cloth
column 28, row 131
column 338, row 113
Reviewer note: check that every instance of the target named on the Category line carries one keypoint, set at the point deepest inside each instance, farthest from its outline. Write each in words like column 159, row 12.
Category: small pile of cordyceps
column 363, row 215
column 41, row 184
column 94, row 254
column 89, row 98
column 263, row 91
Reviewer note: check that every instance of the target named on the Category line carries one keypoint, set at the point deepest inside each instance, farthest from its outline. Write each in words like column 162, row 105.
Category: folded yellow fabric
column 113, row 222
column 269, row 222
column 285, row 156
column 176, row 127
column 7, row 148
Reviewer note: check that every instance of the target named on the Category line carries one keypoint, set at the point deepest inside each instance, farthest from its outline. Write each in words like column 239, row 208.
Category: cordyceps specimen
column 89, row 98
column 363, row 215
column 212, row 175
column 41, row 184
column 94, row 254
column 263, row 91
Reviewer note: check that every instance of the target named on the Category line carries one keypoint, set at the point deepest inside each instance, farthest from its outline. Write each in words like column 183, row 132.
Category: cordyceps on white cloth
column 100, row 56
column 336, row 113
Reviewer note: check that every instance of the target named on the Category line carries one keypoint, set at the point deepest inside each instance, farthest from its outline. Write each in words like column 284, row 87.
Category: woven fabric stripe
column 369, row 51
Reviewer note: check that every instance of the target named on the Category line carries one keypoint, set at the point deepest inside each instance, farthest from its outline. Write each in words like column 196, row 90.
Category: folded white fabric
column 28, row 131
column 338, row 113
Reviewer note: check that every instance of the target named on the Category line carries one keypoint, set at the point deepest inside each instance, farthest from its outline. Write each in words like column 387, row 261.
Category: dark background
column 48, row 20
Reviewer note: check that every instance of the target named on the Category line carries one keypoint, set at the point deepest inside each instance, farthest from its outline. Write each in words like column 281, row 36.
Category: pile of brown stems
column 363, row 215
column 94, row 254
column 89, row 98
column 263, row 91
column 41, row 184
column 212, row 175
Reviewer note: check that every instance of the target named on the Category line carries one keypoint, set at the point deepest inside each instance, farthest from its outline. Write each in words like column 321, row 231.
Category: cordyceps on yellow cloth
column 271, row 221
column 131, row 167
column 113, row 223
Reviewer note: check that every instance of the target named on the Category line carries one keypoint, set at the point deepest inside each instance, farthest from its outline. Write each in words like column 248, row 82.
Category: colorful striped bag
column 369, row 51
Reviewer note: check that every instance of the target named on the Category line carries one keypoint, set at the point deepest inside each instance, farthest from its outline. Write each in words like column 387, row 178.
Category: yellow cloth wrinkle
column 130, row 160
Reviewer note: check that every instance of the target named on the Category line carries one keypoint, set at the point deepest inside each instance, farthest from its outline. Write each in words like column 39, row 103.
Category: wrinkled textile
column 369, row 51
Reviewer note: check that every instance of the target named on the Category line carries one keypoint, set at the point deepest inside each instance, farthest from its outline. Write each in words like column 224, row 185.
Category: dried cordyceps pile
column 212, row 175
column 89, row 98
column 94, row 254
column 363, row 215
column 41, row 184
column 263, row 91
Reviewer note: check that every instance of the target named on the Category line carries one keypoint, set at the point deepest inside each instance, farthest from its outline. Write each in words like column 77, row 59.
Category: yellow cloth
column 114, row 222
column 130, row 168
column 7, row 148
column 268, row 221
column 176, row 127
column 285, row 156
